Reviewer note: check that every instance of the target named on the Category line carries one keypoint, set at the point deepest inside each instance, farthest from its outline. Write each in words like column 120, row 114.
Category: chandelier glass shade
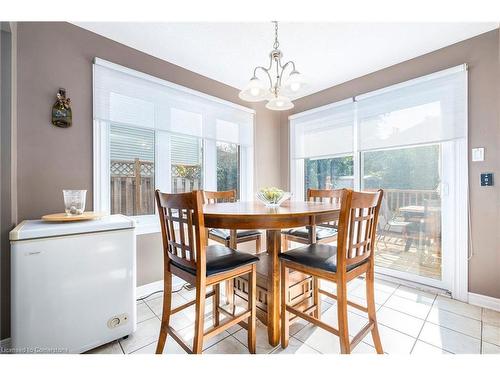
column 287, row 81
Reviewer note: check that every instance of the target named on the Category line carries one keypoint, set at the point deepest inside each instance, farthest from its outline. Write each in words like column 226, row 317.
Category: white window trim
column 146, row 224
column 458, row 265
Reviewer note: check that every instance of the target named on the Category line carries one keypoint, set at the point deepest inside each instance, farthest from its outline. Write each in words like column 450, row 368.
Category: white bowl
column 274, row 202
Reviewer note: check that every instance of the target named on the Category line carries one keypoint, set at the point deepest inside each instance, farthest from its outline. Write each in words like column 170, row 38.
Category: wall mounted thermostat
column 486, row 179
column 478, row 154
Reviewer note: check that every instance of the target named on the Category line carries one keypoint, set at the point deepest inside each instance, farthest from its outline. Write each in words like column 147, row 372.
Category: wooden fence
column 132, row 187
column 400, row 197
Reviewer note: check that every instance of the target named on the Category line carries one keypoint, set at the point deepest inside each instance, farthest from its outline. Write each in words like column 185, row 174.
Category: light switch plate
column 478, row 154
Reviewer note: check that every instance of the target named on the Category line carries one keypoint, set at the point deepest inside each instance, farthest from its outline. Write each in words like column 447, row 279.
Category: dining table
column 258, row 216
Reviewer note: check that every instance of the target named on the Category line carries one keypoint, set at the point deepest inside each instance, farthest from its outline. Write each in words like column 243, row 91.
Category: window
column 151, row 134
column 329, row 173
column 409, row 140
column 186, row 163
column 132, row 152
column 228, row 167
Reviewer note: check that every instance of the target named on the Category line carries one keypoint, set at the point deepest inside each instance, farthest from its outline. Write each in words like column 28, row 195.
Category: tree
column 227, row 167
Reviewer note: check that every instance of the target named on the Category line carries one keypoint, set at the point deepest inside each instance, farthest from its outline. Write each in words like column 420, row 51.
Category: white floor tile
column 147, row 332
column 187, row 334
column 414, row 294
column 385, row 286
column 110, row 348
column 362, row 302
column 418, row 309
column 380, row 296
column 449, row 340
column 262, row 342
column 393, row 342
column 143, row 312
column 490, row 348
column 457, row 307
column 460, row 323
column 295, row 347
column 319, row 339
column 422, row 348
column 491, row 317
column 355, row 322
column 234, row 329
column 180, row 320
column 171, row 347
column 491, row 334
column 400, row 321
column 227, row 346
column 356, row 283
column 297, row 325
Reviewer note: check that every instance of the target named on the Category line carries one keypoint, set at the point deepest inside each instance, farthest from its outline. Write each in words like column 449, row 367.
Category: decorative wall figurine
column 61, row 110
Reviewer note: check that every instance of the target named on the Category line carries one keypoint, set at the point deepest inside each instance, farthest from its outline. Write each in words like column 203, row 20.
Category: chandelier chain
column 276, row 43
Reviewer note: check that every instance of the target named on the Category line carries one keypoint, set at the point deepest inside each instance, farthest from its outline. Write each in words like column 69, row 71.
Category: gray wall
column 56, row 54
column 482, row 56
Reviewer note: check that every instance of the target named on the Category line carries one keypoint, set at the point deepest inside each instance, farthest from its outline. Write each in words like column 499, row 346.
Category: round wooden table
column 255, row 215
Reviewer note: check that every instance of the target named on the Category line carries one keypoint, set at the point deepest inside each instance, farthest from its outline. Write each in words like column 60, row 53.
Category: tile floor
column 410, row 321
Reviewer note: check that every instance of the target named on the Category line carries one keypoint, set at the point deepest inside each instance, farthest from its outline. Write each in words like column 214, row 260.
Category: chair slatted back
column 326, row 196
column 183, row 227
column 357, row 227
column 219, row 196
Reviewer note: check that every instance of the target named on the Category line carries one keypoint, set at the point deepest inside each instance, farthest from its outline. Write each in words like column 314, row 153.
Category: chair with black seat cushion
column 352, row 256
column 187, row 256
column 223, row 236
column 324, row 232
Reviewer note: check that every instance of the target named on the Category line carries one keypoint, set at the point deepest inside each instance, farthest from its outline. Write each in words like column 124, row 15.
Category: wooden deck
column 423, row 260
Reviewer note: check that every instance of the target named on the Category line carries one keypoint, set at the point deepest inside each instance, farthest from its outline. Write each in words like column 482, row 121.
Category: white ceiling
column 326, row 53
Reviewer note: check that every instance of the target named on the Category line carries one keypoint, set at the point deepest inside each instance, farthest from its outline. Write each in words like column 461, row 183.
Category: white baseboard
column 5, row 343
column 144, row 290
column 484, row 301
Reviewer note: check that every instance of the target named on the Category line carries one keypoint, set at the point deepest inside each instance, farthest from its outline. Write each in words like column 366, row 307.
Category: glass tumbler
column 74, row 201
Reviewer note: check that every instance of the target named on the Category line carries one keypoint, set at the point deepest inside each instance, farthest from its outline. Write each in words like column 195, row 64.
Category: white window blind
column 323, row 132
column 129, row 143
column 424, row 110
column 428, row 109
column 124, row 96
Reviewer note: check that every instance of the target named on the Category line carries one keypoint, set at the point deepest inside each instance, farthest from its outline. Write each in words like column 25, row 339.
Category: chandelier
column 278, row 90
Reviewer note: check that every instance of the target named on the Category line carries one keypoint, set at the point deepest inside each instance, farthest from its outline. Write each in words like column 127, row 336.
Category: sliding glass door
column 409, row 232
column 409, row 140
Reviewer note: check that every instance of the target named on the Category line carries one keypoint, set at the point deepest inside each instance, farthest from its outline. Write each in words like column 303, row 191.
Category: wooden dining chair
column 324, row 232
column 223, row 236
column 352, row 256
column 187, row 256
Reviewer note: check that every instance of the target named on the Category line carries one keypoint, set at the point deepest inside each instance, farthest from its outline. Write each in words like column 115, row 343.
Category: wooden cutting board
column 62, row 217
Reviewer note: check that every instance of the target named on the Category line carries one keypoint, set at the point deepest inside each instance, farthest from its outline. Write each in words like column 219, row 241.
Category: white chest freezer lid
column 30, row 229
